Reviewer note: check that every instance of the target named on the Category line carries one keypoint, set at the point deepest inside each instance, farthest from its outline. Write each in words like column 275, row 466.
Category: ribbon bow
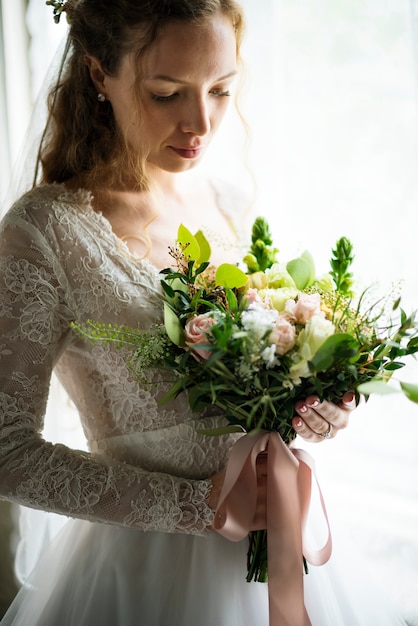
column 289, row 481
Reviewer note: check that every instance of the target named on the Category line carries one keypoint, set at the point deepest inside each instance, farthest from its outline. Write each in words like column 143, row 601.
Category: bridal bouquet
column 254, row 340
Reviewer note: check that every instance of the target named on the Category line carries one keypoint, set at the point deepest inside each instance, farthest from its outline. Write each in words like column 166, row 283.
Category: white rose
column 278, row 297
column 310, row 339
column 278, row 277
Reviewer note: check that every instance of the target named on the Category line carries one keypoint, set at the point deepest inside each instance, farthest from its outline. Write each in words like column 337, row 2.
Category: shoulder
column 44, row 222
column 44, row 202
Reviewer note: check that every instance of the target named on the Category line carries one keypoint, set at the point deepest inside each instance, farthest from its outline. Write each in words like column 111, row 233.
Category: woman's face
column 184, row 92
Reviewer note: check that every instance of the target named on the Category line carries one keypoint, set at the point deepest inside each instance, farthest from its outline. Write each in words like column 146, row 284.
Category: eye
column 158, row 98
column 220, row 93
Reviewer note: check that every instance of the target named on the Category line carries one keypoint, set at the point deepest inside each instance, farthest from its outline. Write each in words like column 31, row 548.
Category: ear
column 97, row 74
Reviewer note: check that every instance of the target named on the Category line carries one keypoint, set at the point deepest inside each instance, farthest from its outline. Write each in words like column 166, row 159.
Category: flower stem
column 257, row 557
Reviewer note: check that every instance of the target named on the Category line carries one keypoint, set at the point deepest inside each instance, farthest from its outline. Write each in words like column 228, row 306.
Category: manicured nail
column 313, row 403
column 298, row 423
column 302, row 408
column 349, row 397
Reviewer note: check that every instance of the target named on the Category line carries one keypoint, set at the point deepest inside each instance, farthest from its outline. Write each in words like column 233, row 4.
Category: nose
column 196, row 117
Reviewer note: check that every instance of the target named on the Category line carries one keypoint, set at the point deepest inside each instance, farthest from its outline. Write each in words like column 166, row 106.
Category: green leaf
column 167, row 289
column 172, row 393
column 179, row 285
column 413, row 343
column 172, row 291
column 410, row 390
column 173, row 326
column 376, row 386
column 251, row 262
column 188, row 243
column 307, row 256
column 396, row 304
column 391, row 367
column 231, row 299
column 204, row 246
column 301, row 271
column 335, row 347
column 228, row 275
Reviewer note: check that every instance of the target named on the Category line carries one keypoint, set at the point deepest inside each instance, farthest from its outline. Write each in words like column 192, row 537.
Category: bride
column 144, row 88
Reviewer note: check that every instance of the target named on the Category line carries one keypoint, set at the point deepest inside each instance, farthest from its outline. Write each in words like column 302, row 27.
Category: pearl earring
column 101, row 97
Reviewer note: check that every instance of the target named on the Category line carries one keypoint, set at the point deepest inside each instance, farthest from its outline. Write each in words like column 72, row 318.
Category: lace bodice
column 147, row 466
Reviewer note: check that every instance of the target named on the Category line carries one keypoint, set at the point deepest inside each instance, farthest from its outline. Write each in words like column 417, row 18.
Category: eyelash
column 215, row 92
column 163, row 98
column 219, row 93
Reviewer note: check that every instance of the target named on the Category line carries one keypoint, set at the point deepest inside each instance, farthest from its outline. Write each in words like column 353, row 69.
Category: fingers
column 316, row 421
column 348, row 402
column 310, row 425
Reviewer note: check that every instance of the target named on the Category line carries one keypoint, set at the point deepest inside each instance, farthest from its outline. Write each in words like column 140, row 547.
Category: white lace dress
column 137, row 551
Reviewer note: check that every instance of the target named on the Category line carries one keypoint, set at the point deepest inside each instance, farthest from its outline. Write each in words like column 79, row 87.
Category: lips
column 188, row 153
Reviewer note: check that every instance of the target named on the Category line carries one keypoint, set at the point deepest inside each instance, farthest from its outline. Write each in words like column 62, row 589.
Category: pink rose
column 283, row 336
column 196, row 331
column 252, row 296
column 307, row 305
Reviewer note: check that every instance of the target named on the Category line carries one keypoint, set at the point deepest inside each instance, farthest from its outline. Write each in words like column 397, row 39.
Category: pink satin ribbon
column 289, row 482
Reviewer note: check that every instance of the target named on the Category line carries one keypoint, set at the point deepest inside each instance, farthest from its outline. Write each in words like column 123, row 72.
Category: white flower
column 278, row 277
column 316, row 331
column 325, row 283
column 310, row 339
column 287, row 384
column 278, row 297
column 268, row 356
column 257, row 320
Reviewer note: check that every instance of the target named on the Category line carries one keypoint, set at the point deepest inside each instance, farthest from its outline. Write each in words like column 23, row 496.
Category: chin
column 174, row 164
column 179, row 167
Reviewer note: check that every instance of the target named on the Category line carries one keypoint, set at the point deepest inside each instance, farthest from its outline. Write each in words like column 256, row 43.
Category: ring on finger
column 327, row 435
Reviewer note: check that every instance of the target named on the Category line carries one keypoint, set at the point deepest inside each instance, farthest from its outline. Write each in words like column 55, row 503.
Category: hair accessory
column 59, row 7
column 101, row 97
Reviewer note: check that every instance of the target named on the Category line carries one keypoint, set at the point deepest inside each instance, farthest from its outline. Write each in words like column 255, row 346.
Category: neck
column 170, row 184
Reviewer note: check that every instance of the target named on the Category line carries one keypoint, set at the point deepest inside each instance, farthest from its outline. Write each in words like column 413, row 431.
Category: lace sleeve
column 35, row 311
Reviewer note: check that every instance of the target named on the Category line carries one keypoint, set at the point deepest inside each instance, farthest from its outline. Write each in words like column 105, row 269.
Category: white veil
column 24, row 172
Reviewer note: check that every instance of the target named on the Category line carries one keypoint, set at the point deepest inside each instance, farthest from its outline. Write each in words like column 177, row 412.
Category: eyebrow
column 178, row 81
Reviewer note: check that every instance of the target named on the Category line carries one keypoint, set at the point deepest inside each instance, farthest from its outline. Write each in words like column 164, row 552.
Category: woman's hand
column 260, row 516
column 317, row 420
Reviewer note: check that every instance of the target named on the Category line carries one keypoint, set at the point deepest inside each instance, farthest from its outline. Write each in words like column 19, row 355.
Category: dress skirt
column 96, row 574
